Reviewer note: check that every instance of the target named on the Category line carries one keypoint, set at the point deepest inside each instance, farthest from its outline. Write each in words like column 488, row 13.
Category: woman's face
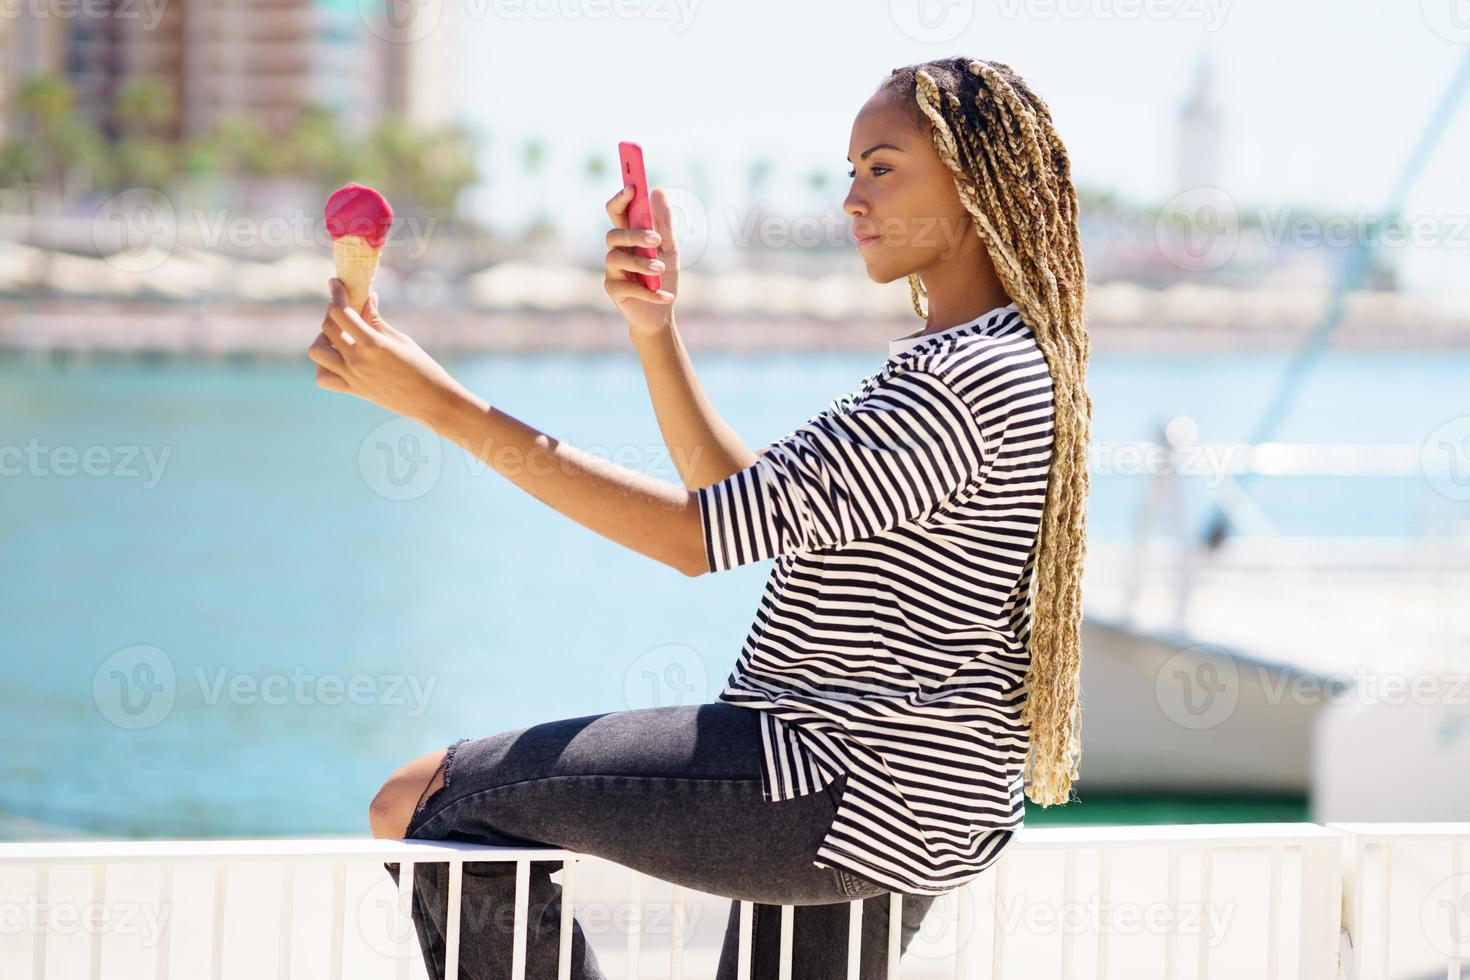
column 905, row 211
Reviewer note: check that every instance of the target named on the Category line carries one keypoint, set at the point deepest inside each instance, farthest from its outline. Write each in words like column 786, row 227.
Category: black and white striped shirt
column 892, row 635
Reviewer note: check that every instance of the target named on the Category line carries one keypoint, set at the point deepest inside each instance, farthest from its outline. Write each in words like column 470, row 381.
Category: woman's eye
column 853, row 171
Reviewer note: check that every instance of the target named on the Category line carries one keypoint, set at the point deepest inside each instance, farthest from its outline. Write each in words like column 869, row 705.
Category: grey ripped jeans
column 673, row 792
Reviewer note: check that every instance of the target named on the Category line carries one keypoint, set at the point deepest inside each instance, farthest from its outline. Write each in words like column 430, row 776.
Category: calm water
column 233, row 603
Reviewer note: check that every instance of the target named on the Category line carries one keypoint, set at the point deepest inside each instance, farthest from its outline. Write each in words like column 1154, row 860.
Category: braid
column 1013, row 176
column 916, row 289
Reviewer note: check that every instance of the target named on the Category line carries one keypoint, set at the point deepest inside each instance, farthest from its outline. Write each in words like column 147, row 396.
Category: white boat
column 1331, row 668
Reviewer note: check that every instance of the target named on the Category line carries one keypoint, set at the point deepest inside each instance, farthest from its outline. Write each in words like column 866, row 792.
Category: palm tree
column 57, row 144
column 758, row 175
column 319, row 150
column 533, row 160
column 424, row 170
column 146, row 106
column 594, row 168
column 144, row 114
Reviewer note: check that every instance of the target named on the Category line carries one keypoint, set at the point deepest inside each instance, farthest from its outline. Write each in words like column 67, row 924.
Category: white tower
column 1197, row 159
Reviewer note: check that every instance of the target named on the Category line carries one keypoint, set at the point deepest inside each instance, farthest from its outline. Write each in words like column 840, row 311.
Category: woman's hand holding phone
column 647, row 311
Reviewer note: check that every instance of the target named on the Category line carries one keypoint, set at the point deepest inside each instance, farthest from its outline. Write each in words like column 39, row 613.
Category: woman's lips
column 866, row 240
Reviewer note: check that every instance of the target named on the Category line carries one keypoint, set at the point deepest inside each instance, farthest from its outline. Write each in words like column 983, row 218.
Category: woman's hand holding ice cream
column 358, row 352
column 362, row 354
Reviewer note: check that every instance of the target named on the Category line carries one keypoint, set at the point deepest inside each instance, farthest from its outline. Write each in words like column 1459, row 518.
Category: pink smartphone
column 640, row 211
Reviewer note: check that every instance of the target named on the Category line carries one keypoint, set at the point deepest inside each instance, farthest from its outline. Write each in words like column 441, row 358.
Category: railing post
column 523, row 898
column 339, row 900
column 453, row 913
column 895, row 932
column 747, row 931
column 676, row 955
column 635, row 922
column 854, row 938
column 788, row 930
column 1322, row 867
column 564, row 952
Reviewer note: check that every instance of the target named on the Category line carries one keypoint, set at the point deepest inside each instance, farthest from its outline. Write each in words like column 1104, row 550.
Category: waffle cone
column 357, row 263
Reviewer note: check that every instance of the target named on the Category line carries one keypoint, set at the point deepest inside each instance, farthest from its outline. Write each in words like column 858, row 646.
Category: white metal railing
column 1277, row 900
column 1406, row 899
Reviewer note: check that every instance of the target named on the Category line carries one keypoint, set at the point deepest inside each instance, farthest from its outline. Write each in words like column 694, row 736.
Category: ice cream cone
column 357, row 262
column 358, row 219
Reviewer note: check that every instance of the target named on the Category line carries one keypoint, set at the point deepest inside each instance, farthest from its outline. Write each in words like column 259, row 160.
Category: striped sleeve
column 841, row 402
column 895, row 456
column 837, row 406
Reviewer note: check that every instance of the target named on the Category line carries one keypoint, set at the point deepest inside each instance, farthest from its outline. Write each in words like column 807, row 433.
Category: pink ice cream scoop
column 358, row 219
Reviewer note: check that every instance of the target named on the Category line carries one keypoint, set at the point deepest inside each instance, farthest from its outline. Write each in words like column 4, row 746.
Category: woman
column 900, row 684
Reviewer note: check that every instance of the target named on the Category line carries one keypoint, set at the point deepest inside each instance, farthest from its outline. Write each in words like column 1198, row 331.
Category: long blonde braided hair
column 1013, row 176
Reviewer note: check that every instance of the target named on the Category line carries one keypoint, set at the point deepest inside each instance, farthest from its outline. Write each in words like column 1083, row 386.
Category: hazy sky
column 1321, row 99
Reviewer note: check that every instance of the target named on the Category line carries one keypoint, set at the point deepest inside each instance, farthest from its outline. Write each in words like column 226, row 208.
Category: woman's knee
column 394, row 805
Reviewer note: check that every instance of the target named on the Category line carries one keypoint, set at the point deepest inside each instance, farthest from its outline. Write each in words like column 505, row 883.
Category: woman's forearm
column 705, row 450
column 641, row 512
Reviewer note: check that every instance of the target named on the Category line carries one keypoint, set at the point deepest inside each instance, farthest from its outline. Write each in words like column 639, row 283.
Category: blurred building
column 30, row 44
column 262, row 59
column 103, row 53
column 415, row 80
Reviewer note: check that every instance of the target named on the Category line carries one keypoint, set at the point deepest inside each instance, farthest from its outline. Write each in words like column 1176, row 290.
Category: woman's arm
column 641, row 512
column 704, row 448
column 362, row 354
